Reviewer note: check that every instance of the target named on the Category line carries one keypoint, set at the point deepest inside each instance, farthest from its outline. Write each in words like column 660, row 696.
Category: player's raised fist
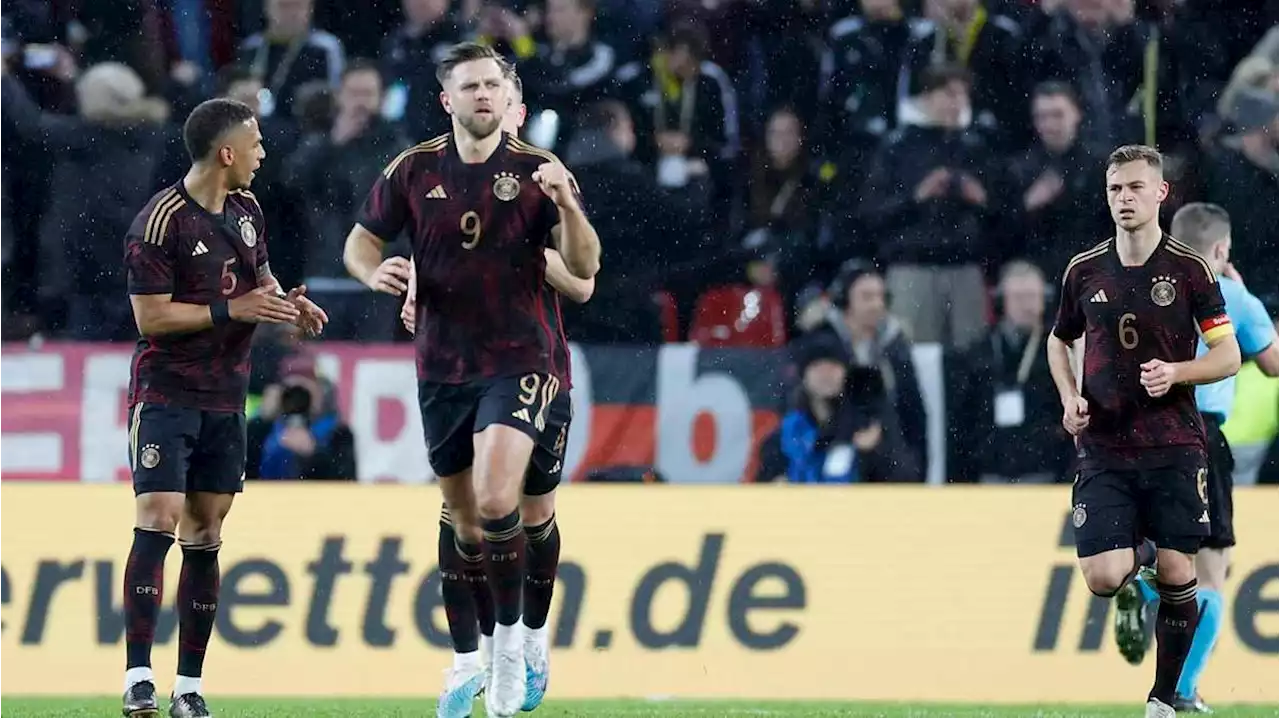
column 391, row 277
column 263, row 306
column 1075, row 415
column 1158, row 377
column 557, row 183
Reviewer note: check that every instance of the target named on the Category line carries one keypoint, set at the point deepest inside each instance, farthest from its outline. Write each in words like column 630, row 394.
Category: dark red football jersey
column 1129, row 316
column 478, row 232
column 176, row 247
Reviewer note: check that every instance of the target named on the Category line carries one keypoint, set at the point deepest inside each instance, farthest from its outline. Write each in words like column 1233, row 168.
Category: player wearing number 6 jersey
column 1141, row 301
column 479, row 207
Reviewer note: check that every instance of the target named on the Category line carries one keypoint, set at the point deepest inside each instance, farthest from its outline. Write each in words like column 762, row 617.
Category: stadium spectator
column 965, row 33
column 1240, row 176
column 882, row 389
column 298, row 433
column 627, row 206
column 811, row 440
column 685, row 110
column 1052, row 204
column 927, row 200
column 289, row 53
column 331, row 172
column 105, row 159
column 1098, row 47
column 1003, row 409
column 785, row 194
column 860, row 83
column 571, row 68
column 409, row 56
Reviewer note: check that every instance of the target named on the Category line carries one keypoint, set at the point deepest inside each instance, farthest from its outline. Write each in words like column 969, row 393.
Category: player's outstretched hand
column 262, row 306
column 556, row 182
column 391, row 277
column 1158, row 377
column 1075, row 415
column 408, row 313
column 311, row 317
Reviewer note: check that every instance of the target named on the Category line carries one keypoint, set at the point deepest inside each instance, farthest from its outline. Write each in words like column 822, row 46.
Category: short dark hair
column 1055, row 88
column 936, row 77
column 208, row 121
column 469, row 52
column 361, row 64
column 1200, row 225
column 1136, row 153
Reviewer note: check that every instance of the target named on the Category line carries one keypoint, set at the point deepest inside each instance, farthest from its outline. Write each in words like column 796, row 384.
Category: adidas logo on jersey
column 200, row 249
column 437, row 193
column 1099, row 298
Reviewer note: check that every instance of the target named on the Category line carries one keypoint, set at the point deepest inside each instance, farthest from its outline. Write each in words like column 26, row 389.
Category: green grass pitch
column 314, row 708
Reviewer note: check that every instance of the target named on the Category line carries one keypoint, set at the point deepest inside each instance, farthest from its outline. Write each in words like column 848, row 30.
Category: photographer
column 298, row 434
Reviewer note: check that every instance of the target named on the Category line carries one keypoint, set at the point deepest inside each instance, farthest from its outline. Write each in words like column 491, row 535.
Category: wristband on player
column 220, row 312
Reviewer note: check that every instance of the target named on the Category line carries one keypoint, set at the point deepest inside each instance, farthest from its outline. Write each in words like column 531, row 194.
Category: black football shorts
column 547, row 463
column 452, row 413
column 1222, row 532
column 176, row 448
column 1118, row 508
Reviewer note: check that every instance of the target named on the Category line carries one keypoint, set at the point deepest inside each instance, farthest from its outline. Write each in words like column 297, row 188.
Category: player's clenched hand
column 263, row 306
column 1158, row 377
column 1075, row 415
column 556, row 183
column 391, row 277
column 407, row 313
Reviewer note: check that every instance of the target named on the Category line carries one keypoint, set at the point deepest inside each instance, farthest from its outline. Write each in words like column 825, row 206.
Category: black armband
column 220, row 311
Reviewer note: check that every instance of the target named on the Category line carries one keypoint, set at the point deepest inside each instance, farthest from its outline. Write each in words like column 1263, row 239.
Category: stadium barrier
column 696, row 414
column 879, row 593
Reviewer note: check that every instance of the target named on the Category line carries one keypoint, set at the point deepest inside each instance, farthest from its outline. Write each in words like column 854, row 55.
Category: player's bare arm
column 565, row 282
column 158, row 314
column 574, row 236
column 1268, row 360
column 1075, row 409
column 362, row 256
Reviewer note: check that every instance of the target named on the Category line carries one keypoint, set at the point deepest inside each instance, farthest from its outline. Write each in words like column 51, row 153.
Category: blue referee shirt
column 1254, row 331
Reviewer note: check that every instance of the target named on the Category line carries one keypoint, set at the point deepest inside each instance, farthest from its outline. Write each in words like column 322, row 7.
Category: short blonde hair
column 1137, row 153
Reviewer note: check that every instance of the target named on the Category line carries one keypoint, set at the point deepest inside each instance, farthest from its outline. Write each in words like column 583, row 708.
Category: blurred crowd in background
column 847, row 177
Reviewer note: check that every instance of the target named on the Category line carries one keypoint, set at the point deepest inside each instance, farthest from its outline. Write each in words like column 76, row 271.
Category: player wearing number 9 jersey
column 480, row 207
column 1141, row 301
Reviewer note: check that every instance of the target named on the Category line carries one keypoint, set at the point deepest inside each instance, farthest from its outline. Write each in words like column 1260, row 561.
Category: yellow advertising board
column 884, row 593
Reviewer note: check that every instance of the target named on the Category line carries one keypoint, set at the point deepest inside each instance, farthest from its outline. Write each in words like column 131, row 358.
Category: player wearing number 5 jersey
column 1141, row 301
column 199, row 283
column 479, row 207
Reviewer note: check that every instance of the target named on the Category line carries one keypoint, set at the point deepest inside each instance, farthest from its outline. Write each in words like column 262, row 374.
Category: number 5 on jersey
column 471, row 227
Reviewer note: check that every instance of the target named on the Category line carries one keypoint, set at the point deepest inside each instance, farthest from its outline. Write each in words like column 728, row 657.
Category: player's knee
column 1104, row 579
column 537, row 510
column 160, row 511
column 495, row 502
column 199, row 527
column 1175, row 568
